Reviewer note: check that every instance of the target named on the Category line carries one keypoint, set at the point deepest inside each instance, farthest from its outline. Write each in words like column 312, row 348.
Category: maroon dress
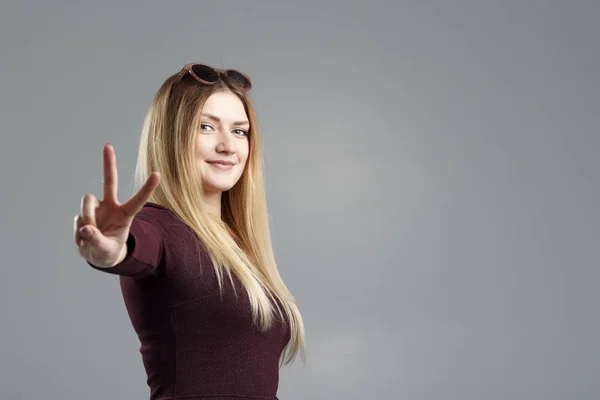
column 196, row 342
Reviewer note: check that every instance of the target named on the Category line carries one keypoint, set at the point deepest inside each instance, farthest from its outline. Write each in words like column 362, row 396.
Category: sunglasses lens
column 205, row 73
column 238, row 79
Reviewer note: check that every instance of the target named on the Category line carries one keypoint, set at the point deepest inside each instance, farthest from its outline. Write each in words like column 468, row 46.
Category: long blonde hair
column 240, row 242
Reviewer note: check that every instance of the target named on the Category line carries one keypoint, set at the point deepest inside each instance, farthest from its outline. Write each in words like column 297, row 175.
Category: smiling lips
column 221, row 164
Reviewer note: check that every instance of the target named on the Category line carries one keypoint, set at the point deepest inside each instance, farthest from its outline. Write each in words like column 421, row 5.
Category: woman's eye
column 240, row 132
column 205, row 127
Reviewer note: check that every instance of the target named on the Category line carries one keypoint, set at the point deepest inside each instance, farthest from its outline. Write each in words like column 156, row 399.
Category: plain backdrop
column 432, row 171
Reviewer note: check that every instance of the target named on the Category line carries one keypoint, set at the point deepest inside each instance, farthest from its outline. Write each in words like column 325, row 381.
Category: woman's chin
column 217, row 187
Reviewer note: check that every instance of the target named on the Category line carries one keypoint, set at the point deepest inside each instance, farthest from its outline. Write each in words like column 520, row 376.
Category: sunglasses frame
column 188, row 68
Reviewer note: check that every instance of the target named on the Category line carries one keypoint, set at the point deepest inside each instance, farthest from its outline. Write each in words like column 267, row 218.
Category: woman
column 193, row 253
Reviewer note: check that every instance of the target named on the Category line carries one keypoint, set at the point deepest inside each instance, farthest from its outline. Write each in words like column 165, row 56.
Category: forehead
column 225, row 106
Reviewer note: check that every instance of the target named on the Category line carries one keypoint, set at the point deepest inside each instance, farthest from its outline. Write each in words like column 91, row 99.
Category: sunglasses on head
column 209, row 75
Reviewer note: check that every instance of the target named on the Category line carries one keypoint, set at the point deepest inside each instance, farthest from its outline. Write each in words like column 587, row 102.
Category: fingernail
column 86, row 232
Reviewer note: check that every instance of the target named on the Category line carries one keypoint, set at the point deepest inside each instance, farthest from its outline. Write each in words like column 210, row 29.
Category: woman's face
column 222, row 143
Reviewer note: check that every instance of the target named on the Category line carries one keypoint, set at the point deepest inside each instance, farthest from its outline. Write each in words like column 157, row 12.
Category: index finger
column 137, row 201
column 110, row 176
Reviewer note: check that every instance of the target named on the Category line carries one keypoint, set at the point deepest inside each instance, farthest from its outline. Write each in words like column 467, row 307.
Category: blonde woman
column 192, row 245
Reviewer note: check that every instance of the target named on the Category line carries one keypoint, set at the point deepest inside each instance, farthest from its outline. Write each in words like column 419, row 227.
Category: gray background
column 432, row 177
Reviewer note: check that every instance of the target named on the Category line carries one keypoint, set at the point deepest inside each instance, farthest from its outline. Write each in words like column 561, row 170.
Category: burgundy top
column 195, row 343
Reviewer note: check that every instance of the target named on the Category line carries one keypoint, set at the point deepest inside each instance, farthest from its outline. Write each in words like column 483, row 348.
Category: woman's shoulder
column 177, row 239
column 162, row 217
column 157, row 210
column 158, row 215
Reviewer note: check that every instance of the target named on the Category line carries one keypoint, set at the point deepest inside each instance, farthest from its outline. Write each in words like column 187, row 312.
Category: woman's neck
column 213, row 203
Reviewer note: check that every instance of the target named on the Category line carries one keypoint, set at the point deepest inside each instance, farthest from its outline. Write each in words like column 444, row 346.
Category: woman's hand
column 102, row 227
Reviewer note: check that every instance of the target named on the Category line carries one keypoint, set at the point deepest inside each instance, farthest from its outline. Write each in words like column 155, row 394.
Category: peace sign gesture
column 102, row 227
